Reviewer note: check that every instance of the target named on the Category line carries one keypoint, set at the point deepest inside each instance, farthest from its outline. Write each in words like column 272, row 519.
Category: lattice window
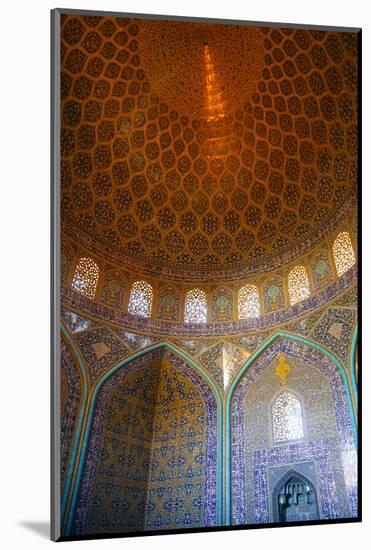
column 195, row 306
column 86, row 276
column 141, row 296
column 343, row 253
column 298, row 284
column 248, row 302
column 287, row 418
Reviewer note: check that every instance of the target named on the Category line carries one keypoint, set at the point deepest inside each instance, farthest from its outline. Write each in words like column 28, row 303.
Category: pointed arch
column 324, row 360
column 353, row 360
column 292, row 473
column 311, row 344
column 222, row 304
column 168, row 302
column 86, row 428
column 141, row 297
column 113, row 288
column 195, row 307
column 298, row 284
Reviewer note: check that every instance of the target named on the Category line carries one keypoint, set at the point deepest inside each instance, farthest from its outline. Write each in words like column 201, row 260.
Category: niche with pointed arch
column 288, row 424
column 294, row 498
column 151, row 456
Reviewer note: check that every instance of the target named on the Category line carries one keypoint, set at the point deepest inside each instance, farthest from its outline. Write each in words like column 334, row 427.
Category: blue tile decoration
column 208, row 272
column 327, row 444
column 124, row 342
column 195, row 500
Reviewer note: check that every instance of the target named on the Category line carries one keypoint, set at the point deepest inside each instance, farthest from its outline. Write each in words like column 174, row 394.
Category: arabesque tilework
column 143, row 174
column 151, row 459
column 328, row 432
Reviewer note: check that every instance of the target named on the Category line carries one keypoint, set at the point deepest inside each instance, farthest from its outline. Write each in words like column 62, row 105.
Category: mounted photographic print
column 206, row 184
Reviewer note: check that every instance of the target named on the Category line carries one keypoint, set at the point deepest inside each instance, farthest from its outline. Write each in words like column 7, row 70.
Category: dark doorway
column 296, row 499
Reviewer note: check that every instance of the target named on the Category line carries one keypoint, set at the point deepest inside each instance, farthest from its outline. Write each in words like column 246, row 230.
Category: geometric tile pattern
column 140, row 168
column 151, row 455
column 75, row 322
column 223, row 360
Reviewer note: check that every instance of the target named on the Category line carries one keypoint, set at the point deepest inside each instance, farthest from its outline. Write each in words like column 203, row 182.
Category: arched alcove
column 294, row 498
column 195, row 307
column 343, row 253
column 141, row 296
column 354, row 366
column 153, row 442
column 85, row 278
column 317, row 378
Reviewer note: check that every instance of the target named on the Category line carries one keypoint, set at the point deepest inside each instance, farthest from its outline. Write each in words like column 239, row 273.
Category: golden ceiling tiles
column 205, row 148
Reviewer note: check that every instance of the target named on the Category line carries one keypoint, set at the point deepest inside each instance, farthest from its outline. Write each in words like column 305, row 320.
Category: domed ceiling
column 215, row 151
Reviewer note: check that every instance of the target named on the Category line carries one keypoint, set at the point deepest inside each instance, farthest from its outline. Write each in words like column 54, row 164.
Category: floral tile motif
column 330, row 445
column 193, row 347
column 349, row 298
column 155, row 428
column 305, row 325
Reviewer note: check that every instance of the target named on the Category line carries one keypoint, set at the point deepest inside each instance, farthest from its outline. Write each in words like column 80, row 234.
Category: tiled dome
column 219, row 153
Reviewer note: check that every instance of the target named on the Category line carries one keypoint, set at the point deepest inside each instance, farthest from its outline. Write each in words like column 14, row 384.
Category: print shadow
column 41, row 528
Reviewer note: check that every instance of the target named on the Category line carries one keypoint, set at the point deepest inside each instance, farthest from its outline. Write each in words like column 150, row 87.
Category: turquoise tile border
column 85, row 436
column 352, row 366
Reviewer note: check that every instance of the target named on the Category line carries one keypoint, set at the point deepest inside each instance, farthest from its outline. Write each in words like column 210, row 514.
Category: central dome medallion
column 178, row 58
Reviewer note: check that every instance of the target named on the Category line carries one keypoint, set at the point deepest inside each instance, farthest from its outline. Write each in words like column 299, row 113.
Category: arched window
column 86, row 276
column 248, row 302
column 298, row 284
column 140, row 302
column 342, row 250
column 195, row 306
column 287, row 418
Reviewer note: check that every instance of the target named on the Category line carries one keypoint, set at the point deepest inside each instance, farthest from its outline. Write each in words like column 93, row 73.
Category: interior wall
column 259, row 463
column 333, row 327
column 146, row 466
column 114, row 487
column 176, row 488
